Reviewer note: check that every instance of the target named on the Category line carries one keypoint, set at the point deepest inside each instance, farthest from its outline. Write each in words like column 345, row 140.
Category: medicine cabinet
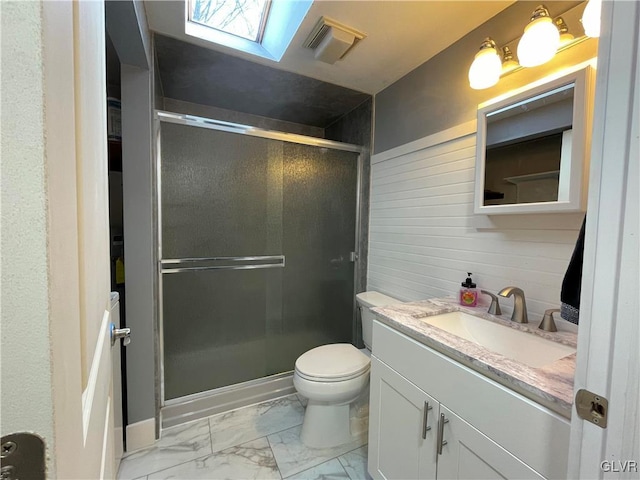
column 532, row 151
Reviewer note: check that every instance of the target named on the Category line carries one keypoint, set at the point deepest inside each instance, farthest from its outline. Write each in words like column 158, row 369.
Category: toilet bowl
column 332, row 377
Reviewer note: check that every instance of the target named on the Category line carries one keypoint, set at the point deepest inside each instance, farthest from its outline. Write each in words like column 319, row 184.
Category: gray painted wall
column 140, row 261
column 436, row 95
column 127, row 26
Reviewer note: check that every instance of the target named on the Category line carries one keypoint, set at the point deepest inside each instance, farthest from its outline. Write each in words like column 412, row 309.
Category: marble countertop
column 551, row 385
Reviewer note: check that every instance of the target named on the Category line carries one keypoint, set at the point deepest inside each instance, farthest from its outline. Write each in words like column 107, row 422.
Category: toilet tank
column 367, row 301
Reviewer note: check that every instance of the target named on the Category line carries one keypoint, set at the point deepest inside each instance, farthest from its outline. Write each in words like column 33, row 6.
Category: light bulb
column 540, row 40
column 591, row 18
column 486, row 67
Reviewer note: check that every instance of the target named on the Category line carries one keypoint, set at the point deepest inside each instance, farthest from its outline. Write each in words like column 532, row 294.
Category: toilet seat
column 332, row 363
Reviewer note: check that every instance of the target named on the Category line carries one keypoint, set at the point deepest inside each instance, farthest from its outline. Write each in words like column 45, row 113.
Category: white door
column 73, row 43
column 608, row 361
column 401, row 427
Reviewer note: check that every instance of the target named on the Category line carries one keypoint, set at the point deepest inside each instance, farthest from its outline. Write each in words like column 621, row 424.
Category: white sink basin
column 523, row 347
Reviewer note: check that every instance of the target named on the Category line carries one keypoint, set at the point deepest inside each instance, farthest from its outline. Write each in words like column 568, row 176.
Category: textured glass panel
column 215, row 327
column 220, row 192
column 225, row 194
column 319, row 221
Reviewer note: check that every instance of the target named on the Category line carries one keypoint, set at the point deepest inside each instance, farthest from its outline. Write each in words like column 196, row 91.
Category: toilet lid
column 338, row 361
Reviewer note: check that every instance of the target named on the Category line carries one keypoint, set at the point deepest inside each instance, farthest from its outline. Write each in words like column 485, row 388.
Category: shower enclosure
column 257, row 243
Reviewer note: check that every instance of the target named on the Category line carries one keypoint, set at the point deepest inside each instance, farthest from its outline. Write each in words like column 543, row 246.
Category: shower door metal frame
column 219, row 125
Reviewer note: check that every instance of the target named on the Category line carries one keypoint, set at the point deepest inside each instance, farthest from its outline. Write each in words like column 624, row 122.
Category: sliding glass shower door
column 255, row 240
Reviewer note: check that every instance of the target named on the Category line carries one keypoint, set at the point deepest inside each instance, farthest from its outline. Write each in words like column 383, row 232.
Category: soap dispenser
column 468, row 293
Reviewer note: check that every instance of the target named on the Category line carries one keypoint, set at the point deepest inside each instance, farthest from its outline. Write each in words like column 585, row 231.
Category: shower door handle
column 193, row 264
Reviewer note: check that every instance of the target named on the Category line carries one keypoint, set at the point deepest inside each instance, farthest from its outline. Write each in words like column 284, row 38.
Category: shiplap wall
column 424, row 236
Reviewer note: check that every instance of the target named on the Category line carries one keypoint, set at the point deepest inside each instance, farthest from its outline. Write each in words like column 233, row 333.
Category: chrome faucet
column 519, row 305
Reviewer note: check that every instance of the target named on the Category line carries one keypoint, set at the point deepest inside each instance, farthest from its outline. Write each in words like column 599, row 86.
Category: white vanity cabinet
column 488, row 431
column 402, row 427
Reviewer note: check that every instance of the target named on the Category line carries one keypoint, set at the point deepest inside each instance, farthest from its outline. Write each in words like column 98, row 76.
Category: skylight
column 263, row 28
column 244, row 18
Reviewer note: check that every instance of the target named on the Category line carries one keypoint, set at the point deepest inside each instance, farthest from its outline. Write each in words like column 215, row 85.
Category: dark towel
column 570, row 295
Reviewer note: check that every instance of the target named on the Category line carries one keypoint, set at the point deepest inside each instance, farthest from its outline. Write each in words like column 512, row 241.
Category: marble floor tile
column 177, row 445
column 355, row 463
column 255, row 421
column 251, row 460
column 293, row 456
column 331, row 470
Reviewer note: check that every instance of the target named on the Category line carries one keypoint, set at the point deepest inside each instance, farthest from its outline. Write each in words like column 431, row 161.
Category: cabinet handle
column 425, row 420
column 441, row 442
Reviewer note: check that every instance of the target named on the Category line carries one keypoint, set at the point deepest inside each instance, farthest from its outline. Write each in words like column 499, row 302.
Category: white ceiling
column 400, row 36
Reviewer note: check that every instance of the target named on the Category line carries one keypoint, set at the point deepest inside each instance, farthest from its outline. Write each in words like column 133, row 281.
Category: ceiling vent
column 332, row 40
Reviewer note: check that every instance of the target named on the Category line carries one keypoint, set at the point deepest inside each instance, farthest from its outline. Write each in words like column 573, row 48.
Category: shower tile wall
column 200, row 75
column 158, row 93
column 254, row 196
column 355, row 127
column 180, row 106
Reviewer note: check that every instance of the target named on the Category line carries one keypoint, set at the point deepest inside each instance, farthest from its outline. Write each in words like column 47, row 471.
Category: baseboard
column 141, row 434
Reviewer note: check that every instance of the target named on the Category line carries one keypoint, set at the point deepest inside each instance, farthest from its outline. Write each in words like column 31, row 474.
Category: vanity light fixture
column 543, row 37
column 591, row 18
column 565, row 36
column 540, row 40
column 486, row 67
column 508, row 62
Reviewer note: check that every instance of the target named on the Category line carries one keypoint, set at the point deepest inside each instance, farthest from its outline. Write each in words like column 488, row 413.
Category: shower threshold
column 220, row 400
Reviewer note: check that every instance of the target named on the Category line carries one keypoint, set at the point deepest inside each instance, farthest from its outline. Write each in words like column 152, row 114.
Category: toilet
column 333, row 376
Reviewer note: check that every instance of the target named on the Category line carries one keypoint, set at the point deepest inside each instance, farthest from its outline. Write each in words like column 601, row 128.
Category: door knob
column 120, row 333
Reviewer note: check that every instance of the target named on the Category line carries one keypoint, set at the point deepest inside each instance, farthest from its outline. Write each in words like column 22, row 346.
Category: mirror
column 532, row 148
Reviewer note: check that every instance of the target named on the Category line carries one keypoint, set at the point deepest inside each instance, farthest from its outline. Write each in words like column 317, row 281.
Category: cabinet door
column 401, row 445
column 468, row 454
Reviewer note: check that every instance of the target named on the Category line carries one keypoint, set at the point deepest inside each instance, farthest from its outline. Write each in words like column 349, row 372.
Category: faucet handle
column 494, row 308
column 547, row 322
